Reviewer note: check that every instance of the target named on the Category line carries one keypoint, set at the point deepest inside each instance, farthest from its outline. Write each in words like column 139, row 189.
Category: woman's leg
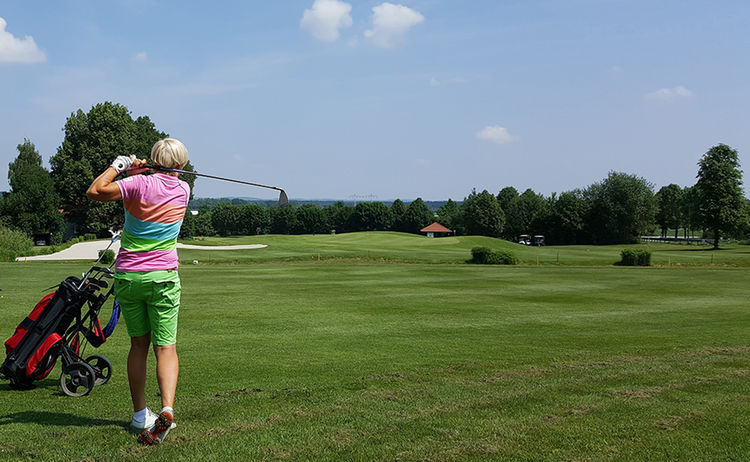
column 167, row 370
column 137, row 370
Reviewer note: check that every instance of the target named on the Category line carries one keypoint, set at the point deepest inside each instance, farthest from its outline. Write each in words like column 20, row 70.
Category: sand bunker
column 89, row 250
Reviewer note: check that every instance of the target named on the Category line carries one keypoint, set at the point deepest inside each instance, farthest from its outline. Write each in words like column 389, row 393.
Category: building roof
column 435, row 228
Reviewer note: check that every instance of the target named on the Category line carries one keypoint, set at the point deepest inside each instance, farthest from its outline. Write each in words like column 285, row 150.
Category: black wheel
column 77, row 379
column 102, row 367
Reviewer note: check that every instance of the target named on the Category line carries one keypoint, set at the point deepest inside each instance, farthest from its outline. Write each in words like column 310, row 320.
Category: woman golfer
column 146, row 282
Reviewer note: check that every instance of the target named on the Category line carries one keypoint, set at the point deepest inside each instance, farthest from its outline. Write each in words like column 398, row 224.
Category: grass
column 284, row 357
column 401, row 247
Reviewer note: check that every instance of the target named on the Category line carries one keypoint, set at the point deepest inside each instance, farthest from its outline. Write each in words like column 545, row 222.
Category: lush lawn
column 402, row 247
column 351, row 358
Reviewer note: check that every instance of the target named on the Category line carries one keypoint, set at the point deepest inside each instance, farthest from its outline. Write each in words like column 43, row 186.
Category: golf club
column 283, row 199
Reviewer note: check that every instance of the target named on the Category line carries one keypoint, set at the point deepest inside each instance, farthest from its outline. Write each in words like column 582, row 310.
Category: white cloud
column 140, row 56
column 670, row 94
column 14, row 50
column 325, row 18
column 390, row 23
column 495, row 134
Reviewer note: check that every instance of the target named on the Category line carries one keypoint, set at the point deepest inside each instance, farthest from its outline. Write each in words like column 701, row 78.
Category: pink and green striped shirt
column 154, row 208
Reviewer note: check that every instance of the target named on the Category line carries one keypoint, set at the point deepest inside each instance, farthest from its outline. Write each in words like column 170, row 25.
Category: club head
column 283, row 199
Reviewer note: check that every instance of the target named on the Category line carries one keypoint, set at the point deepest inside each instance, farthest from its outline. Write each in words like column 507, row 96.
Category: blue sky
column 403, row 99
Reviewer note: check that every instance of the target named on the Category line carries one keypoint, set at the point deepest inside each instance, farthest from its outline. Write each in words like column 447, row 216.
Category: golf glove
column 122, row 163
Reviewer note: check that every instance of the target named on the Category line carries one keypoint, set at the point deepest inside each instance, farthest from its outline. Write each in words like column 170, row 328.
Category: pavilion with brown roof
column 436, row 230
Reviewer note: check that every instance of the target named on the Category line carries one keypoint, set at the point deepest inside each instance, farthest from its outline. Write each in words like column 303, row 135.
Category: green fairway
column 389, row 349
column 401, row 247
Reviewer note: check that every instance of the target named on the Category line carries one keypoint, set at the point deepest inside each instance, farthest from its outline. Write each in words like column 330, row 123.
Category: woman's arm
column 104, row 189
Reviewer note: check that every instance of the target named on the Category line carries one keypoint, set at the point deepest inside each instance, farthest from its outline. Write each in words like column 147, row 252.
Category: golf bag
column 61, row 325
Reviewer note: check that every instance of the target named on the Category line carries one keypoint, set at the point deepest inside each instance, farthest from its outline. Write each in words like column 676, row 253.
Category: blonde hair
column 170, row 153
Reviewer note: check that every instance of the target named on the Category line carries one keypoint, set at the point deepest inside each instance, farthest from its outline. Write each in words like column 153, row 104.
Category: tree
column 283, row 219
column 722, row 205
column 669, row 208
column 524, row 215
column 203, row 225
column 417, row 216
column 690, row 210
column 226, row 219
column 254, row 219
column 371, row 216
column 481, row 214
column 622, row 209
column 32, row 205
column 567, row 219
column 339, row 216
column 506, row 196
column 92, row 140
column 311, row 220
column 398, row 210
column 448, row 214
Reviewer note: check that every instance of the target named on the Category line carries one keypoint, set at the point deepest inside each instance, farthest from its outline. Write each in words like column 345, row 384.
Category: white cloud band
column 670, row 94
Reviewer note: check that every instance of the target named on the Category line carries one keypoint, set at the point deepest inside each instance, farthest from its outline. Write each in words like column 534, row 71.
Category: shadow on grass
column 57, row 419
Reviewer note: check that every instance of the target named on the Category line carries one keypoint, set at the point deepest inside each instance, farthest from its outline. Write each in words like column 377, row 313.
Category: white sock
column 140, row 415
column 168, row 409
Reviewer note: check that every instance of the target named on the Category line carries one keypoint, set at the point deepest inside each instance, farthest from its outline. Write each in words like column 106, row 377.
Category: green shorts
column 150, row 301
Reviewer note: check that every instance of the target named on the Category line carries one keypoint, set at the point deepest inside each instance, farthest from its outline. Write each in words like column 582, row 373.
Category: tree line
column 618, row 209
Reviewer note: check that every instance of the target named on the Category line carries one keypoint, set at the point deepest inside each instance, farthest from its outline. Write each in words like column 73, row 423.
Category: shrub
column 107, row 256
column 487, row 256
column 89, row 237
column 14, row 244
column 635, row 257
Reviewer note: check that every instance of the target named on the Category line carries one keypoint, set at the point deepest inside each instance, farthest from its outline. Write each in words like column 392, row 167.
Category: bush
column 89, row 237
column 14, row 244
column 107, row 256
column 635, row 257
column 487, row 256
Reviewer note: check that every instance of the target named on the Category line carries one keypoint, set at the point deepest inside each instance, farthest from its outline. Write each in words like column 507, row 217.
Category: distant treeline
column 210, row 203
column 619, row 209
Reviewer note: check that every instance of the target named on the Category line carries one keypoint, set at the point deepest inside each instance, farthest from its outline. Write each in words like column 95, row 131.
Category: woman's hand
column 136, row 168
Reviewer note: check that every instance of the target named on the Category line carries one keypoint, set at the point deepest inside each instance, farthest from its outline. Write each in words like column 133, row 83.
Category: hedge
column 487, row 256
column 634, row 257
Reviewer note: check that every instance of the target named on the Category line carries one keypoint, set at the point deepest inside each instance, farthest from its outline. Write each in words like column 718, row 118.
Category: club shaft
column 187, row 172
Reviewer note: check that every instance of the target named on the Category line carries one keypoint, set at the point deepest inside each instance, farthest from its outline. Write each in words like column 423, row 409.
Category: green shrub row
column 13, row 244
column 635, row 257
column 487, row 256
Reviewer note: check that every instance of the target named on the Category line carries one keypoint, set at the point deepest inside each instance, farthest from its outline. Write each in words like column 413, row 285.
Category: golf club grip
column 165, row 169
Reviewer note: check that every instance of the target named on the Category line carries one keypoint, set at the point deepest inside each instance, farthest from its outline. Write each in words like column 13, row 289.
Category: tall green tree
column 448, row 214
column 669, row 208
column 226, row 219
column 567, row 219
column 339, row 217
column 622, row 209
column 92, row 141
column 722, row 205
column 690, row 210
column 283, row 219
column 371, row 216
column 525, row 215
column 311, row 220
column 254, row 219
column 32, row 205
column 417, row 216
column 506, row 195
column 481, row 214
column 398, row 210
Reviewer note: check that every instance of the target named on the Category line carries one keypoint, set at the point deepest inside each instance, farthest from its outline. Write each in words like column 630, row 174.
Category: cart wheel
column 102, row 367
column 77, row 379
